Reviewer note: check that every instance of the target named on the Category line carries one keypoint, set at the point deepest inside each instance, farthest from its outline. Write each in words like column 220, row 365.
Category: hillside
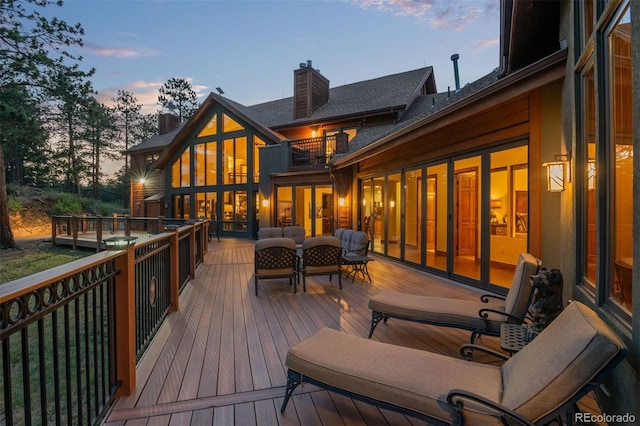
column 28, row 223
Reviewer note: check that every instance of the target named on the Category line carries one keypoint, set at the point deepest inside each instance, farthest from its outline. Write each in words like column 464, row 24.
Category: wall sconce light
column 392, row 204
column 591, row 175
column 314, row 131
column 558, row 172
column 341, row 201
column 142, row 180
column 265, row 202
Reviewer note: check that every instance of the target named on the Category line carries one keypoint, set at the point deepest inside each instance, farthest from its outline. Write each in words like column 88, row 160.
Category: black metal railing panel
column 58, row 349
column 152, row 289
column 184, row 257
column 312, row 151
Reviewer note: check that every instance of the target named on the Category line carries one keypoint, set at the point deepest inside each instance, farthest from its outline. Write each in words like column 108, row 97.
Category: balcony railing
column 70, row 336
column 313, row 151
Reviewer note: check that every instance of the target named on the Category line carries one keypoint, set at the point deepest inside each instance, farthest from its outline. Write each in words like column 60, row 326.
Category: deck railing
column 312, row 151
column 70, row 336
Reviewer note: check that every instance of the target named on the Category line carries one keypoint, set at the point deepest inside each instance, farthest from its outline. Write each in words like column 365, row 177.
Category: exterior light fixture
column 558, row 172
column 142, row 180
column 341, row 201
column 314, row 131
column 392, row 204
column 265, row 202
column 119, row 243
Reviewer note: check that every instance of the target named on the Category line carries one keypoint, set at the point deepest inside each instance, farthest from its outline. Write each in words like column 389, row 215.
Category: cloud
column 442, row 14
column 119, row 52
column 483, row 44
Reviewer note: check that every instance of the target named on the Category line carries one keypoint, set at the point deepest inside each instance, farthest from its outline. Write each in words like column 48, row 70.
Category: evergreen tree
column 178, row 95
column 33, row 47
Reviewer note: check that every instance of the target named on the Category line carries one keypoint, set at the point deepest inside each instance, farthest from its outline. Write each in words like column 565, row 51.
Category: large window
column 620, row 147
column 606, row 156
column 234, row 159
column 180, row 170
column 205, row 163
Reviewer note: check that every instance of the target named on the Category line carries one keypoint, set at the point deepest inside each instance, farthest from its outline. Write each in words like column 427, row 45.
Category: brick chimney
column 310, row 90
column 167, row 122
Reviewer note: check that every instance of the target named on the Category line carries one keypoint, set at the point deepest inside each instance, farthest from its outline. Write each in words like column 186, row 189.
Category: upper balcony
column 318, row 151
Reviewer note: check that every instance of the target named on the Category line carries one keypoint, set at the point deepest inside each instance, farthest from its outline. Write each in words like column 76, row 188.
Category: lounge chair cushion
column 410, row 378
column 556, row 364
column 437, row 310
column 519, row 295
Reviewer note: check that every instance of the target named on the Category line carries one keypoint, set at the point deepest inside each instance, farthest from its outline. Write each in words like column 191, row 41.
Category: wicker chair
column 321, row 256
column 276, row 258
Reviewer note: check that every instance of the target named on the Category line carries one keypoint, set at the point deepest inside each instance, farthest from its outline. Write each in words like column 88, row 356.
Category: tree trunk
column 6, row 236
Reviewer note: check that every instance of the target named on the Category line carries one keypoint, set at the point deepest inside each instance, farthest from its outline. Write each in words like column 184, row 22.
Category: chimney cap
column 455, row 56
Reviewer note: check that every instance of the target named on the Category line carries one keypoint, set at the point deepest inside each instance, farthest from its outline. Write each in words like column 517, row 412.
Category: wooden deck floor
column 220, row 360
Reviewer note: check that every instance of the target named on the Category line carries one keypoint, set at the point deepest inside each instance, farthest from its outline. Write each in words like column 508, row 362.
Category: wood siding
column 507, row 121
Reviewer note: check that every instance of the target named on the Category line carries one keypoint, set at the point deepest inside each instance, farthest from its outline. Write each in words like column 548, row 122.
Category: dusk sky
column 250, row 48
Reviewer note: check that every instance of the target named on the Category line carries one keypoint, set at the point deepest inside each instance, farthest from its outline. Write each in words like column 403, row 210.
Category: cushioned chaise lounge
column 477, row 316
column 542, row 381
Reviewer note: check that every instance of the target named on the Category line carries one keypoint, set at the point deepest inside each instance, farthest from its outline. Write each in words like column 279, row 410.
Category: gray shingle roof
column 157, row 141
column 423, row 107
column 391, row 91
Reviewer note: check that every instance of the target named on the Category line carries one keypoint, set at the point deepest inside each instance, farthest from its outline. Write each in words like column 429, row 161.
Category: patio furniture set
column 286, row 253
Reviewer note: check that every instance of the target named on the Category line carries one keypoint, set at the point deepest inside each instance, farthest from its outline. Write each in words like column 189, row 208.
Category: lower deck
column 220, row 359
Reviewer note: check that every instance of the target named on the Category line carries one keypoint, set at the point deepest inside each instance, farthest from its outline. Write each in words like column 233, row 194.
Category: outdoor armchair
column 321, row 256
column 264, row 233
column 276, row 258
column 296, row 233
column 541, row 382
column 478, row 316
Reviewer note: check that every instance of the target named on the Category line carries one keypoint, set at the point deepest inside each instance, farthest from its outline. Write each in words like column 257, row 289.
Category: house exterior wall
column 623, row 385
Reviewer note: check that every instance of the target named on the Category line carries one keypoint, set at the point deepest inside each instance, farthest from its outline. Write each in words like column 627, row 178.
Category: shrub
column 66, row 205
column 14, row 205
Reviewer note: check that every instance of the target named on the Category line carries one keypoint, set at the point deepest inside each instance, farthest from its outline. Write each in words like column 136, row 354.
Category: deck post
column 125, row 308
column 175, row 271
column 54, row 229
column 127, row 225
column 192, row 247
column 99, row 233
column 74, row 225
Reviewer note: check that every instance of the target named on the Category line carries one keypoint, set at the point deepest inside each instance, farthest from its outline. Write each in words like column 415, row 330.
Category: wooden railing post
column 125, row 308
column 192, row 247
column 175, row 271
column 127, row 225
column 99, row 233
column 114, row 228
column 54, row 229
column 205, row 238
column 74, row 231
